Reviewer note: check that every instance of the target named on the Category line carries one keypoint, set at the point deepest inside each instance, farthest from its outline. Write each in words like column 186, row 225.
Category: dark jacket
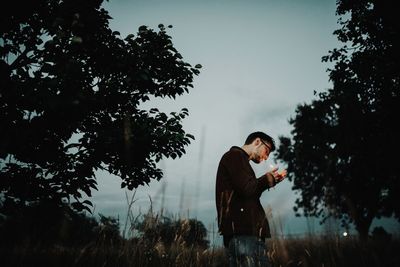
column 238, row 193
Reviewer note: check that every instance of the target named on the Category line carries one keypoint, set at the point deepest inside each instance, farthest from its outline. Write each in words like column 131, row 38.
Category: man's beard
column 257, row 159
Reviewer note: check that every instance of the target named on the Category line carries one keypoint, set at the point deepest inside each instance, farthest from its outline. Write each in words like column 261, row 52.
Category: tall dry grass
column 326, row 251
column 331, row 250
column 107, row 251
column 152, row 239
column 140, row 250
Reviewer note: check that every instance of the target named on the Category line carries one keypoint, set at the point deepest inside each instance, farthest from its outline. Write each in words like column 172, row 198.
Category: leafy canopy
column 69, row 101
column 340, row 156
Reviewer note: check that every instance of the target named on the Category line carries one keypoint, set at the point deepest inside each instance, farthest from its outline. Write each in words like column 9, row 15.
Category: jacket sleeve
column 244, row 182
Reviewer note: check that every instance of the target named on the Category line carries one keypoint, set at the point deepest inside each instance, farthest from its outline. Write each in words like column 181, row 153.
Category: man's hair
column 263, row 136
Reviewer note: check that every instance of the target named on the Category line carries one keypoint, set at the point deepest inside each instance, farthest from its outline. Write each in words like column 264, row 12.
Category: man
column 241, row 218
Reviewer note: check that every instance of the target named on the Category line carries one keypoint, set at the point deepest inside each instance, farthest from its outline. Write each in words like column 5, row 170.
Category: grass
column 326, row 251
column 156, row 240
column 330, row 251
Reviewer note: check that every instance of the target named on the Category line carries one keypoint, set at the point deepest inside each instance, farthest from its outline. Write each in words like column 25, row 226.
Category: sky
column 260, row 58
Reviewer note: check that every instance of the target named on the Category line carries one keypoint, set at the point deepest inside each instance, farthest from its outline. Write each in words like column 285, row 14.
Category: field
column 326, row 251
column 68, row 238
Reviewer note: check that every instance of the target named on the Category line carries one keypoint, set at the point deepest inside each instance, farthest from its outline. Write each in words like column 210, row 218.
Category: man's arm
column 243, row 180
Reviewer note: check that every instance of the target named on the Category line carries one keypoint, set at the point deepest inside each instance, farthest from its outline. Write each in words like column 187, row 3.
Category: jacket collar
column 241, row 150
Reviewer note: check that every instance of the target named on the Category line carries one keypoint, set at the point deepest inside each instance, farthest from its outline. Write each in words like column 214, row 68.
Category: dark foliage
column 47, row 225
column 334, row 251
column 70, row 97
column 155, row 228
column 341, row 153
column 47, row 235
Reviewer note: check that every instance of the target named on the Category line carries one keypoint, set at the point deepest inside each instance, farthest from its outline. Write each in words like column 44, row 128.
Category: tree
column 340, row 155
column 155, row 228
column 70, row 97
column 48, row 224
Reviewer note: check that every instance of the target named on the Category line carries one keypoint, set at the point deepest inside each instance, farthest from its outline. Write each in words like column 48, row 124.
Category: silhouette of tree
column 193, row 232
column 340, row 155
column 47, row 224
column 108, row 229
column 154, row 228
column 70, row 97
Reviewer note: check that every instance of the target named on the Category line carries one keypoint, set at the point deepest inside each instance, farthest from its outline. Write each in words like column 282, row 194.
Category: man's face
column 261, row 152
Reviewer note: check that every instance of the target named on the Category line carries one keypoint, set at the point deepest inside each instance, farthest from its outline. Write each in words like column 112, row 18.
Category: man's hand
column 274, row 176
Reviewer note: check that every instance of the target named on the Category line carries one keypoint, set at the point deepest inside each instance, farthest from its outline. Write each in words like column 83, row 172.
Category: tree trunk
column 362, row 222
column 362, row 227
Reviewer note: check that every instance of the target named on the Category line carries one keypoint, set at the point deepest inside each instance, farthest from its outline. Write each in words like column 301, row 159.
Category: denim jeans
column 249, row 251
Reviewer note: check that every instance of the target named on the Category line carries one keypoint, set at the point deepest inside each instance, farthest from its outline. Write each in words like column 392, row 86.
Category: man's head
column 259, row 145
